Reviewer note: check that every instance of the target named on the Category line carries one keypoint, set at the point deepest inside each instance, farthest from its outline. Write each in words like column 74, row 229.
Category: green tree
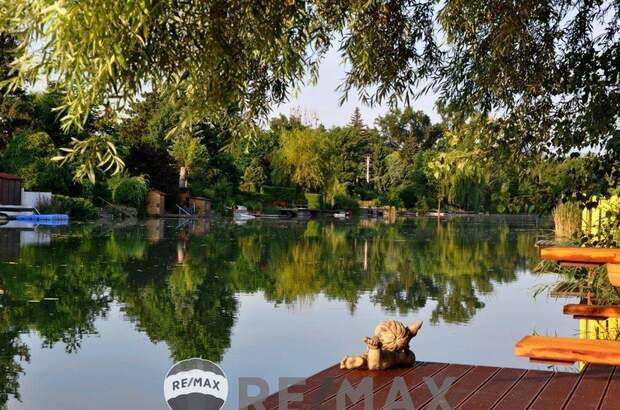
column 254, row 176
column 408, row 130
column 28, row 155
column 302, row 157
column 188, row 152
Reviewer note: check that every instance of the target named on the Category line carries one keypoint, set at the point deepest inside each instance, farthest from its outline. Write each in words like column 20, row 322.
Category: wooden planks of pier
column 473, row 387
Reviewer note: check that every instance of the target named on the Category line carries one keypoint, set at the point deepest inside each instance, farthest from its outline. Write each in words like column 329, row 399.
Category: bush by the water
column 130, row 191
column 315, row 201
column 279, row 193
column 78, row 208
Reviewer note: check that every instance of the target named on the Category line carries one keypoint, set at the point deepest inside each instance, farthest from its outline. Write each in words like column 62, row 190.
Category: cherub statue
column 389, row 347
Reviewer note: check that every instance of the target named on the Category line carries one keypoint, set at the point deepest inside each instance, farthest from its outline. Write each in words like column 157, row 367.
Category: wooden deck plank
column 556, row 392
column 569, row 349
column 525, row 391
column 422, row 395
column 475, row 387
column 468, row 384
column 379, row 379
column 493, row 390
column 595, row 311
column 612, row 395
column 591, row 388
column 312, row 383
column 354, row 378
column 412, row 379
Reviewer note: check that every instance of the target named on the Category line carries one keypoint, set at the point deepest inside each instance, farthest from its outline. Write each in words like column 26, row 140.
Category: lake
column 93, row 316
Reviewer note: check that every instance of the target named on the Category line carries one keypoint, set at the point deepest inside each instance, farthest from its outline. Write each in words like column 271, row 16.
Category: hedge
column 279, row 193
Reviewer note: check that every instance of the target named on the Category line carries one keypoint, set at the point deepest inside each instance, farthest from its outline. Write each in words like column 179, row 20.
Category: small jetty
column 473, row 387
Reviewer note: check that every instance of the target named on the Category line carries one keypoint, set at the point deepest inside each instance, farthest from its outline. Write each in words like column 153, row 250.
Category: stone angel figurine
column 389, row 347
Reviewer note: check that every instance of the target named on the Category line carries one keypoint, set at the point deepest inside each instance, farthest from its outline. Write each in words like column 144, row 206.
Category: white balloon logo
column 195, row 384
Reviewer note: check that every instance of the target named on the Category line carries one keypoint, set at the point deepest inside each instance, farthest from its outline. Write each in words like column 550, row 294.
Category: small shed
column 10, row 189
column 201, row 205
column 155, row 203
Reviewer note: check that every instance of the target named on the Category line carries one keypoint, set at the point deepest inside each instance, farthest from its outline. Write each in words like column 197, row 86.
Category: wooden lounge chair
column 569, row 350
column 582, row 311
column 586, row 257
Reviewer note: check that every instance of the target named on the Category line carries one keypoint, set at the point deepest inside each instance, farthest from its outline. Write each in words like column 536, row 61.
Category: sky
column 322, row 99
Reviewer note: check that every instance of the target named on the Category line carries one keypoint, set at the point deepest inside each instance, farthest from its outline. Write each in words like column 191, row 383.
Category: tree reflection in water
column 179, row 284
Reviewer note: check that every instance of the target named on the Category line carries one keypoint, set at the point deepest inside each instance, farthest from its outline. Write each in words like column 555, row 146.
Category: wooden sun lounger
column 575, row 255
column 566, row 349
column 592, row 311
column 586, row 257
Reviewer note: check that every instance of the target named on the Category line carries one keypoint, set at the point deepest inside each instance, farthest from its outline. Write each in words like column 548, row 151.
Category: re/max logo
column 195, row 382
column 398, row 397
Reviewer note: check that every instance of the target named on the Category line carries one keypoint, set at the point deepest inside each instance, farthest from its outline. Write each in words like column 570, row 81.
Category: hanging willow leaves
column 91, row 154
column 211, row 55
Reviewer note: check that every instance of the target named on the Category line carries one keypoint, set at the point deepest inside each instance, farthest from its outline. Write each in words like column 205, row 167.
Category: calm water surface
column 92, row 317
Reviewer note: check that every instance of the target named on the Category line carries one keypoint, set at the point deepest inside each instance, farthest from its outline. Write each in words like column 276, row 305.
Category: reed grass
column 567, row 220
column 574, row 279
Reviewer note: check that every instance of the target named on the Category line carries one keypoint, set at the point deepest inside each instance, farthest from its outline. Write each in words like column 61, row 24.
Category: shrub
column 279, row 193
column 408, row 196
column 130, row 191
column 315, row 201
column 346, row 202
column 78, row 208
column 391, row 198
column 424, row 204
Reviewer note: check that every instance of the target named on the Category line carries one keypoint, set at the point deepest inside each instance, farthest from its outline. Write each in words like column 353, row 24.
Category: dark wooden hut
column 10, row 189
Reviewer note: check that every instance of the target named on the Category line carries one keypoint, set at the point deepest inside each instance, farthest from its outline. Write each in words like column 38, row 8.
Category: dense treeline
column 403, row 159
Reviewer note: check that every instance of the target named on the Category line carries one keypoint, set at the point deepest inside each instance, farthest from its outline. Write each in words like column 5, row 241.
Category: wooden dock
column 473, row 387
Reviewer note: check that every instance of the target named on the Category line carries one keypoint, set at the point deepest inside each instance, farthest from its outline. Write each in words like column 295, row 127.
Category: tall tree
column 302, row 156
column 356, row 120
column 188, row 152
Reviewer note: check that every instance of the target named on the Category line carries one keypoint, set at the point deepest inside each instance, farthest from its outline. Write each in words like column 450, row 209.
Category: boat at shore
column 241, row 213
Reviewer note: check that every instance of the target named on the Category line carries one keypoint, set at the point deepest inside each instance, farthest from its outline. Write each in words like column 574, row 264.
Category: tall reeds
column 567, row 220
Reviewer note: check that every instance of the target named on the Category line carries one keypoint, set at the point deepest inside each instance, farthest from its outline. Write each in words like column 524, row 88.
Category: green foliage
column 279, row 193
column 78, row 208
column 94, row 153
column 130, row 191
column 254, row 177
column 111, row 51
column 315, row 201
column 156, row 165
column 549, row 69
column 335, row 190
column 408, row 128
column 408, row 196
column 28, row 155
column 346, row 202
column 302, row 158
column 188, row 152
column 349, row 147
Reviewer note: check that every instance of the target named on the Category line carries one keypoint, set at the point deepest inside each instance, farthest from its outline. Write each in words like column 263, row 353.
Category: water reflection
column 178, row 282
